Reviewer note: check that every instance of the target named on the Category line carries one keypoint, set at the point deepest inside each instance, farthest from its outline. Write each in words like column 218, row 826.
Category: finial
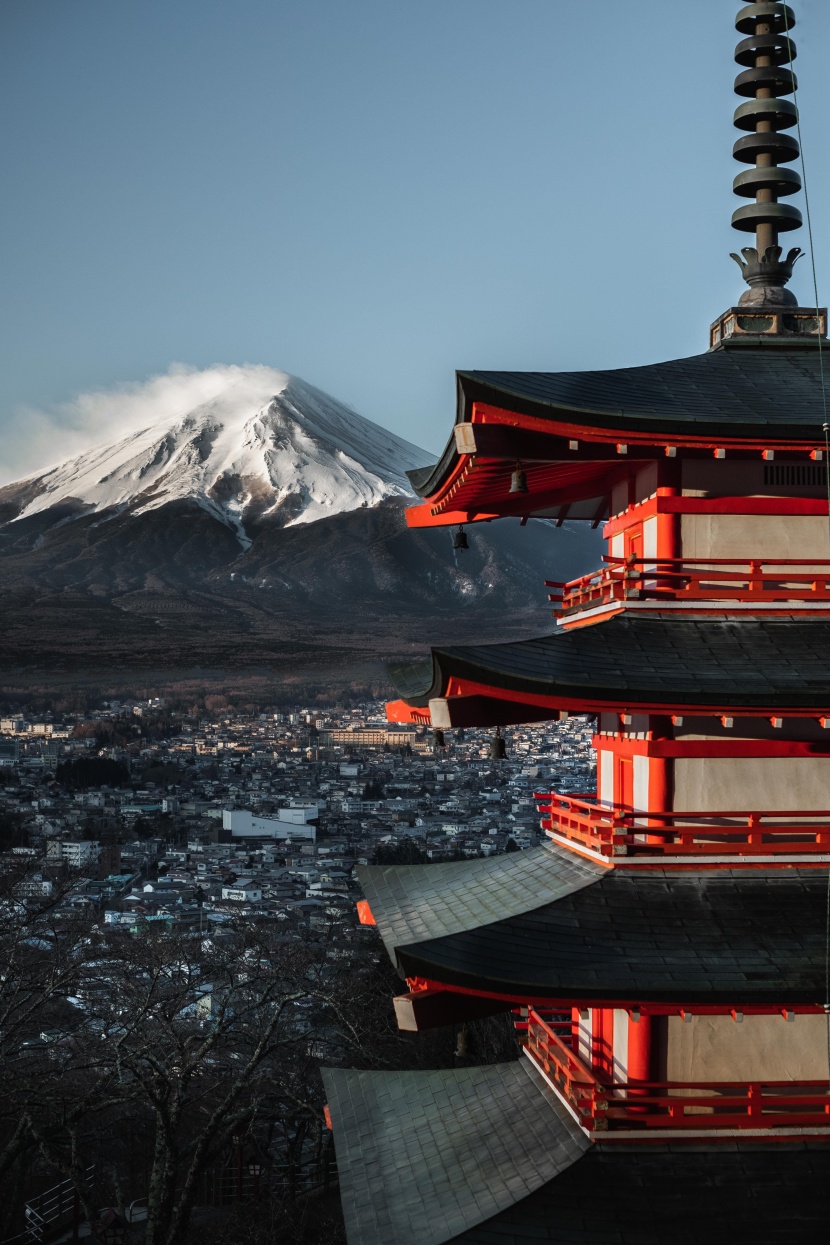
column 766, row 52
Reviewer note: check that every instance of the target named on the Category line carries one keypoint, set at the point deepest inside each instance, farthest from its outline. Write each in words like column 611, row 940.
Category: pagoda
column 665, row 953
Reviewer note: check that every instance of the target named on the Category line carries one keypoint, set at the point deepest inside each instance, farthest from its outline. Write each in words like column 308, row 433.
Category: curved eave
column 656, row 663
column 765, row 399
column 490, row 1156
column 698, row 938
column 425, row 1156
column 409, row 903
column 660, row 1192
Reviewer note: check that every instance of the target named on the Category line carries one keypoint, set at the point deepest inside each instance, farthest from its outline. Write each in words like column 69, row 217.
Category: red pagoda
column 666, row 953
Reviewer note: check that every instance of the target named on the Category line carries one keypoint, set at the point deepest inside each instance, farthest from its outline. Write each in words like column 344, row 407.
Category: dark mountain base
column 172, row 589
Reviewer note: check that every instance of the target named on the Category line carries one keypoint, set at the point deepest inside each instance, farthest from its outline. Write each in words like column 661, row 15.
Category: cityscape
column 264, row 816
column 134, row 840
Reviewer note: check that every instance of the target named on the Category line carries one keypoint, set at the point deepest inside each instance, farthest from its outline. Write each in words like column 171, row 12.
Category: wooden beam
column 599, row 513
column 455, row 711
column 434, row 1009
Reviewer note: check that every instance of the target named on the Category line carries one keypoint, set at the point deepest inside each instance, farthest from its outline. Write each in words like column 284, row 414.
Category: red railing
column 618, row 831
column 603, row 1106
column 686, row 579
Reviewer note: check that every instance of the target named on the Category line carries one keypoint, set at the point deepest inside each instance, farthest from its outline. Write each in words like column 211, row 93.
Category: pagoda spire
column 766, row 78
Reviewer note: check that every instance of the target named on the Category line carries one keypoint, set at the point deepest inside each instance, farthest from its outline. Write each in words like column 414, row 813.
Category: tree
column 12, row 831
column 86, row 772
column 163, row 1056
column 173, row 1049
column 405, row 852
column 40, row 972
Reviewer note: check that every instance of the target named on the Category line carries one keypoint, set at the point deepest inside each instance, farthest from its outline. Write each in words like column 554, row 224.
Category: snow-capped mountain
column 261, row 447
column 243, row 517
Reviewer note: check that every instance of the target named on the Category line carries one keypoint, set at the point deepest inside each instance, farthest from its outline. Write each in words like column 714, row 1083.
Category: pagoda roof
column 654, row 935
column 415, row 902
column 654, row 660
column 653, row 1194
column 424, row 1156
column 763, row 390
column 489, row 1156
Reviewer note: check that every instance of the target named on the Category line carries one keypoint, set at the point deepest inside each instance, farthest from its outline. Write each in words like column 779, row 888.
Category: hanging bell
column 498, row 750
column 459, row 540
column 518, row 480
column 438, row 739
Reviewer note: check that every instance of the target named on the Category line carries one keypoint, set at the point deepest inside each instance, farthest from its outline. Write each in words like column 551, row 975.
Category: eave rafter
column 468, row 703
column 564, row 462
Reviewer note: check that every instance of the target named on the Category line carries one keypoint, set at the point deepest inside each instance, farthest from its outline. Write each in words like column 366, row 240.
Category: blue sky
column 369, row 193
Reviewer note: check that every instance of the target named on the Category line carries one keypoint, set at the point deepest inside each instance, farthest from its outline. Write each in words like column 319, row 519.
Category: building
column 9, row 752
column 664, row 954
column 367, row 737
column 243, row 891
column 73, row 852
column 294, row 823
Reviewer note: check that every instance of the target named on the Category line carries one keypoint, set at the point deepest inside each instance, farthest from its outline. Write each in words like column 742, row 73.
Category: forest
column 167, row 1083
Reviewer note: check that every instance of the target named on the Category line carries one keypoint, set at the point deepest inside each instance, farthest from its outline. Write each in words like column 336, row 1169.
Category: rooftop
column 755, row 937
column 487, row 1156
column 643, row 660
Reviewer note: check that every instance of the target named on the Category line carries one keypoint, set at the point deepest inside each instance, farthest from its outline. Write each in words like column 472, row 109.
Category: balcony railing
column 603, row 1106
column 619, row 831
column 664, row 580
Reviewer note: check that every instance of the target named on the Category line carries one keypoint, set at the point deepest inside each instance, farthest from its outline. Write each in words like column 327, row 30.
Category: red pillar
column 660, row 781
column 668, row 525
column 640, row 1055
column 640, row 1048
column 603, row 1041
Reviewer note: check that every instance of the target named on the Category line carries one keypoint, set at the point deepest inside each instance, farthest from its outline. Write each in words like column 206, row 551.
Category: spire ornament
column 764, row 81
column 767, row 275
column 767, row 310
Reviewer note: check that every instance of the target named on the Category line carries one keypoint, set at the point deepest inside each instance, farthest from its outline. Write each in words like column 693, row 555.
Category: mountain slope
column 265, row 525
column 265, row 447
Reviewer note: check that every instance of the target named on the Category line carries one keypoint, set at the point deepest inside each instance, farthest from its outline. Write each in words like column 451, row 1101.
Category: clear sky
column 370, row 193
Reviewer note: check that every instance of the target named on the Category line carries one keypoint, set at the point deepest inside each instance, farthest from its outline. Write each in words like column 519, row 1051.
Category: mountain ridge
column 265, row 447
column 275, row 536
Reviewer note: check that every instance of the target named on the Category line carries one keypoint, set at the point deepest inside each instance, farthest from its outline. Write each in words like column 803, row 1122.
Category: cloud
column 35, row 440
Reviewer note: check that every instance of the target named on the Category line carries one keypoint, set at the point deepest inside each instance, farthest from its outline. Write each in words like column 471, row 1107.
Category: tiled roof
column 781, row 663
column 754, row 936
column 653, row 1195
column 489, row 1156
column 728, row 390
column 415, row 902
column 424, row 1156
column 769, row 390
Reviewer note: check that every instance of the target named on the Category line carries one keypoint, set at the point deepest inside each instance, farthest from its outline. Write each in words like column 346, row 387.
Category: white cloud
column 35, row 440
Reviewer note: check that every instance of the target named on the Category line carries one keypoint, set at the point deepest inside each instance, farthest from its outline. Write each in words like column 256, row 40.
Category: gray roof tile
column 720, row 1193
column 414, row 902
column 413, row 1171
column 781, row 663
column 755, row 936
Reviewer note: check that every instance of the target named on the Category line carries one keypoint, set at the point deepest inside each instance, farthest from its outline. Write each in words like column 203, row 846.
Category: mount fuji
column 264, row 447
column 244, row 518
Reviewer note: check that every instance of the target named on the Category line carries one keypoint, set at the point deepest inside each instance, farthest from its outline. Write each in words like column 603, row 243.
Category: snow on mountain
column 259, row 445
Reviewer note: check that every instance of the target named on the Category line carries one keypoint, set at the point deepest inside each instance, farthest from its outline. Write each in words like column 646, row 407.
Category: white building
column 243, row 891
column 73, row 852
column 295, row 823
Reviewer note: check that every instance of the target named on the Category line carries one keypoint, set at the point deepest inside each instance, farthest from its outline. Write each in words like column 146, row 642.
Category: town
column 141, row 817
column 180, row 892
